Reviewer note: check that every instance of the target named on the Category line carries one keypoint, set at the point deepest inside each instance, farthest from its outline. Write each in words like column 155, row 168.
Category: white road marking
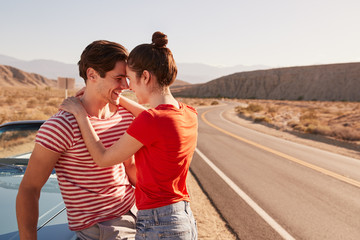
column 283, row 233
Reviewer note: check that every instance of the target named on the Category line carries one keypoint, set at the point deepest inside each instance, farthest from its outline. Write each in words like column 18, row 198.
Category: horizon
column 275, row 34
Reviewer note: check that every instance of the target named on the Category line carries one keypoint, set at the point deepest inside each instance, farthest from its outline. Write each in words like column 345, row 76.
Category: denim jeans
column 174, row 221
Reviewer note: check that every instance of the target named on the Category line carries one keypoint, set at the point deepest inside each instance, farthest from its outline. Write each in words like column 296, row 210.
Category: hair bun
column 159, row 39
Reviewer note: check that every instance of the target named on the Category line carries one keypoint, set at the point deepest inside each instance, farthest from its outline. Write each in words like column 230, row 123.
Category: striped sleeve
column 57, row 133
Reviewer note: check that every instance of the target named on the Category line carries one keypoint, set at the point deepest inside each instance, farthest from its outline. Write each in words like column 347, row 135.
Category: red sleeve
column 143, row 128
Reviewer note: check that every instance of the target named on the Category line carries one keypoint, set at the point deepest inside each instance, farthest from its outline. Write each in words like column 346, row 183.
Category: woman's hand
column 73, row 105
column 80, row 92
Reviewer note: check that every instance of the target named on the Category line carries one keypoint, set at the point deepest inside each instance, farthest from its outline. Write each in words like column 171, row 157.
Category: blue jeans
column 174, row 221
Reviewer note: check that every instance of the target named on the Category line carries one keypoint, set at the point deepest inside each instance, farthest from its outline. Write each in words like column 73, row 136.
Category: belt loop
column 156, row 217
column 186, row 207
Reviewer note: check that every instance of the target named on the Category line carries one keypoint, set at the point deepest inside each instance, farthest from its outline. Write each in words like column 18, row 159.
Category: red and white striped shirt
column 91, row 194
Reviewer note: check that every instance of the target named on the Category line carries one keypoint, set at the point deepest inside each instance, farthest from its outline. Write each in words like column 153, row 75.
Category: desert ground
column 333, row 126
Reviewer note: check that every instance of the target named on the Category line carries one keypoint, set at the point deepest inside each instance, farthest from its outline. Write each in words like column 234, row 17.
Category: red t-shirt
column 169, row 136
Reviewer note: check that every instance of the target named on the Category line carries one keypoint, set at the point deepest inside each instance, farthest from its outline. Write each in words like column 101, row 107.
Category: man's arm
column 40, row 166
column 130, row 169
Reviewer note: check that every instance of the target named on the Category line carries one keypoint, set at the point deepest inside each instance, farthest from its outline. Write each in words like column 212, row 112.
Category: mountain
column 189, row 72
column 200, row 73
column 13, row 77
column 48, row 68
column 339, row 82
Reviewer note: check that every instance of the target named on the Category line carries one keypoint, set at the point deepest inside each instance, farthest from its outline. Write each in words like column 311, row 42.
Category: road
column 270, row 188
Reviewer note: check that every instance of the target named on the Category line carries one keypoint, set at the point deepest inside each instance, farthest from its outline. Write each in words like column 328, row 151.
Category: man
column 98, row 200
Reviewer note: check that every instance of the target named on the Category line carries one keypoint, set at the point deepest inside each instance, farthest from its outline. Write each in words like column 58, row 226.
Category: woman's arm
column 131, row 106
column 119, row 152
column 130, row 170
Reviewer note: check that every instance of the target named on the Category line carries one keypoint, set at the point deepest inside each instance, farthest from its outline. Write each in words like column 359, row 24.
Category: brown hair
column 102, row 56
column 155, row 58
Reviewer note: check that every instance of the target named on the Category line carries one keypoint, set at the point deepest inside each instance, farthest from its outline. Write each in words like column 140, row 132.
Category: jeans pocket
column 176, row 233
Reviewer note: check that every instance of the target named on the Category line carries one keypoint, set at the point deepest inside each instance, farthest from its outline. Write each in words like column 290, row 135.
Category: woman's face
column 137, row 86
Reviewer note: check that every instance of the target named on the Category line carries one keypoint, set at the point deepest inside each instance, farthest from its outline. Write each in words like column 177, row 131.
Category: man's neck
column 96, row 108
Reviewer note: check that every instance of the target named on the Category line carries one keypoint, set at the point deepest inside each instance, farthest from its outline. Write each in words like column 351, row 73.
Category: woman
column 163, row 139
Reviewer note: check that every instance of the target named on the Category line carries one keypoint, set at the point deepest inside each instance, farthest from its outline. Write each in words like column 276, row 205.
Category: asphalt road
column 269, row 188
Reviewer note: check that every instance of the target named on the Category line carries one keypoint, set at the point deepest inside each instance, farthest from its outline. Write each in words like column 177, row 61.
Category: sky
column 224, row 33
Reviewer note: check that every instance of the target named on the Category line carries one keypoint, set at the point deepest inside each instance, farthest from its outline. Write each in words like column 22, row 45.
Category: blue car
column 16, row 144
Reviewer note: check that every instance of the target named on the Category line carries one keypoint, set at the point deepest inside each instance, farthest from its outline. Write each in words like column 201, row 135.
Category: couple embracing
column 110, row 152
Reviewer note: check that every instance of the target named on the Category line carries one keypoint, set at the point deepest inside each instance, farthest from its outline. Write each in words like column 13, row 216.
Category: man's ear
column 91, row 74
column 147, row 76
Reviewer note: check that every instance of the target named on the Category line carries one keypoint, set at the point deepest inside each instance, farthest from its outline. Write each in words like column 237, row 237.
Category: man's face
column 113, row 83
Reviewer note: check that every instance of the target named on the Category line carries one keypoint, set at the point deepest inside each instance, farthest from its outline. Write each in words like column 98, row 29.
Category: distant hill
column 189, row 72
column 339, row 82
column 47, row 68
column 200, row 73
column 13, row 77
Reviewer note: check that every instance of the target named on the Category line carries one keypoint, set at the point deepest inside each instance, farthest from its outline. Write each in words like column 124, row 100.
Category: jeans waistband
column 165, row 210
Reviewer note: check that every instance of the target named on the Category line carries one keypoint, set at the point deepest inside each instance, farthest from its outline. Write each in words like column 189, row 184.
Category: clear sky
column 216, row 32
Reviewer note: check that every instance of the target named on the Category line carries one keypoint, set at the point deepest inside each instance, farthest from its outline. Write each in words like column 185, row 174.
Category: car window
column 16, row 142
column 15, row 149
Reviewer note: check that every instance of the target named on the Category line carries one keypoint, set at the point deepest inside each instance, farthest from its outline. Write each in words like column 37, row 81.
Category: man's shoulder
column 61, row 117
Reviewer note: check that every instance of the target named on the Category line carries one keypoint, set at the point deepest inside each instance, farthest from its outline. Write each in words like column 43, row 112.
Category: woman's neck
column 163, row 97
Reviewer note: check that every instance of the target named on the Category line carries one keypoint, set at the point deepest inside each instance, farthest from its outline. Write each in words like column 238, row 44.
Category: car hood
column 51, row 208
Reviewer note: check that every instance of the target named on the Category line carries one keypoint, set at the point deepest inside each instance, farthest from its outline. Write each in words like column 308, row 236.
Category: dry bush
column 262, row 119
column 339, row 120
column 32, row 103
column 254, row 108
column 345, row 133
column 37, row 103
column 249, row 110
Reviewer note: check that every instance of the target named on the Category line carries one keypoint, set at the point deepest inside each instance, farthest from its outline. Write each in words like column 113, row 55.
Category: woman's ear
column 147, row 76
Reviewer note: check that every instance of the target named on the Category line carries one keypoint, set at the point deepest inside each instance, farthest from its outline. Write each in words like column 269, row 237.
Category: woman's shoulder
column 187, row 107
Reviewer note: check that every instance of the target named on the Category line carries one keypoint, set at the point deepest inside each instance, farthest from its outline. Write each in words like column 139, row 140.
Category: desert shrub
column 322, row 130
column 345, row 133
column 49, row 110
column 214, row 103
column 308, row 115
column 254, row 108
column 251, row 108
column 2, row 118
column 37, row 115
column 310, row 128
column 272, row 109
column 31, row 103
column 10, row 100
column 53, row 102
column 259, row 119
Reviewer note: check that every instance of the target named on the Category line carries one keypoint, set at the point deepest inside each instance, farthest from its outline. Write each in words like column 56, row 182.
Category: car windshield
column 15, row 149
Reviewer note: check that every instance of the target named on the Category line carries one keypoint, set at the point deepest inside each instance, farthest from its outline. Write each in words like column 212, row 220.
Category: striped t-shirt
column 91, row 194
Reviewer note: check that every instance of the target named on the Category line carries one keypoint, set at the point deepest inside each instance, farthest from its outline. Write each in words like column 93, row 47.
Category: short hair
column 155, row 58
column 101, row 55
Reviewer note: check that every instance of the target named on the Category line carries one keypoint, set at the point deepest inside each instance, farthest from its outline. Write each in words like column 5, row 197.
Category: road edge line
column 283, row 233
